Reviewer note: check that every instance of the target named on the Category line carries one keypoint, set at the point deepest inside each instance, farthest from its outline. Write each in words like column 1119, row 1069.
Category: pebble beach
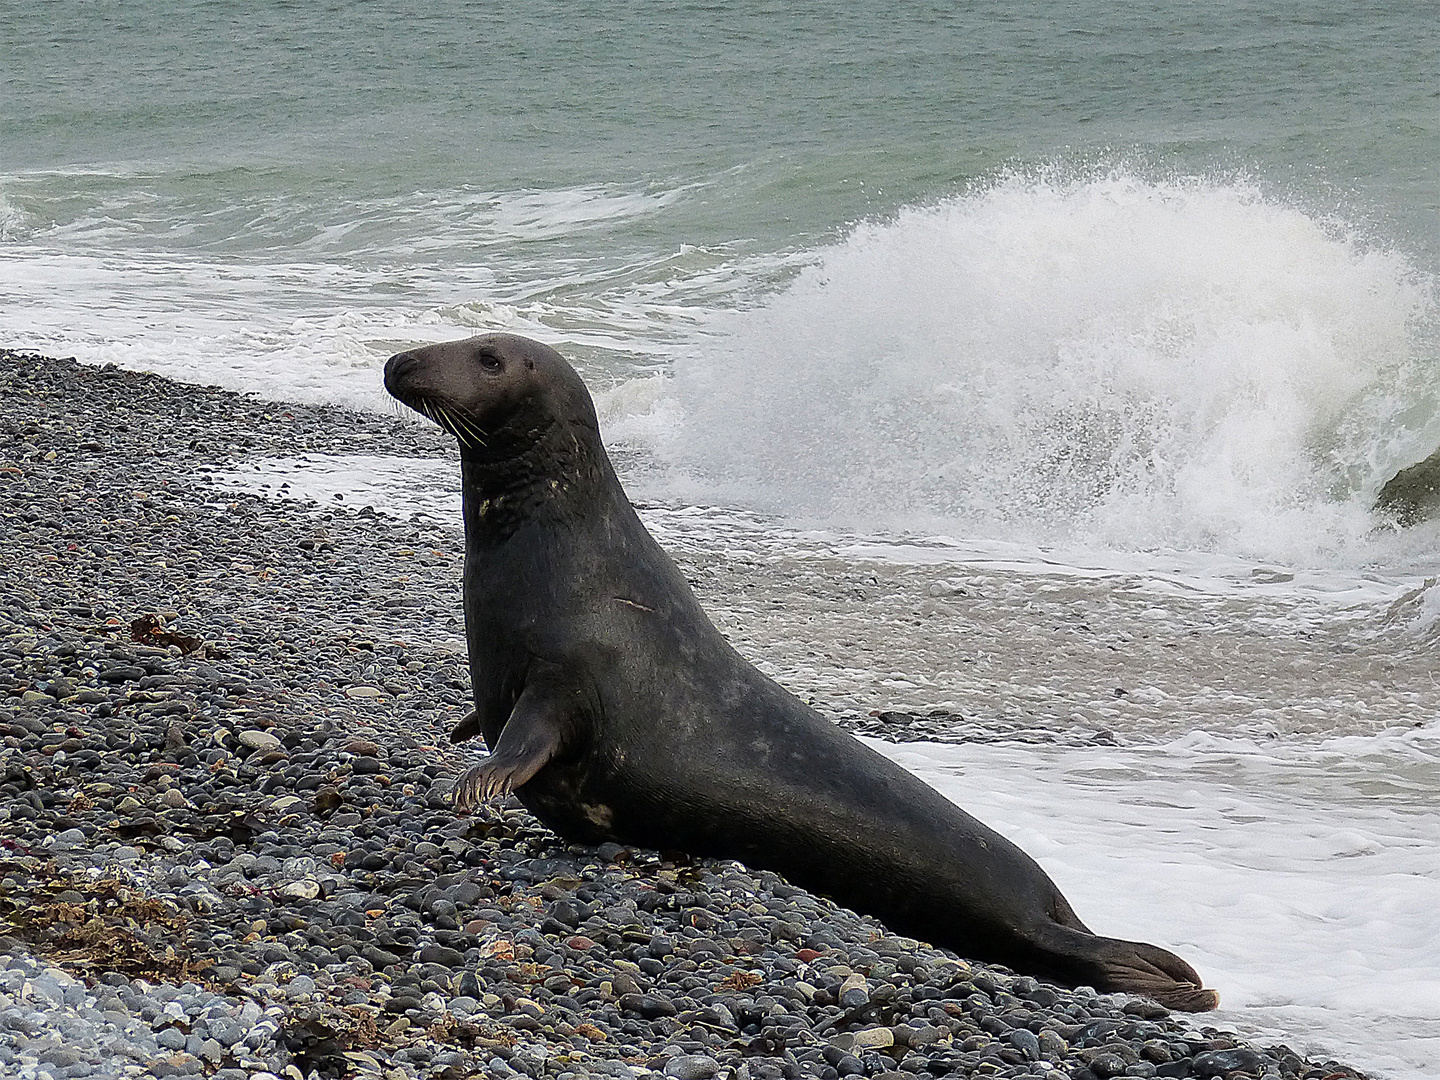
column 227, row 847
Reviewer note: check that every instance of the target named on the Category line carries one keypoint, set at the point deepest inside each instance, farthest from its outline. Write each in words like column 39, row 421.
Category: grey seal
column 615, row 711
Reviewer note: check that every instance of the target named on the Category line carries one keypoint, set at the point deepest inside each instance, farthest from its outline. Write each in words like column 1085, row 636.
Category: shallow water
column 1294, row 879
column 1146, row 645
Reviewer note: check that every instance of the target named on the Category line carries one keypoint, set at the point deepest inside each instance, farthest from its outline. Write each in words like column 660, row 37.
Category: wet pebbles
column 226, row 847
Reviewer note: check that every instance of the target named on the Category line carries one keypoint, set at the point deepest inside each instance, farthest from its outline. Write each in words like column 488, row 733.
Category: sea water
column 1033, row 365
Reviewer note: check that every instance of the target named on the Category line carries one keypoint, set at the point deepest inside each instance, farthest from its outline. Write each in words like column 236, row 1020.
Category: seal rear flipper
column 545, row 722
column 1134, row 967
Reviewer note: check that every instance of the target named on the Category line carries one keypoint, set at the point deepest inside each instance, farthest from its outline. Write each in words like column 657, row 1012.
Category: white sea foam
column 1110, row 362
column 287, row 298
column 1120, row 361
column 1300, row 879
column 529, row 215
column 405, row 487
column 297, row 331
column 158, row 208
column 13, row 221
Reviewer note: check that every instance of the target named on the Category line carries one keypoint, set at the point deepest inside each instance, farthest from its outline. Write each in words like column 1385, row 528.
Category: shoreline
column 259, row 781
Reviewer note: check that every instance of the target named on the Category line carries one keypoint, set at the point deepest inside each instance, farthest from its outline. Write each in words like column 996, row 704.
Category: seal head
column 500, row 395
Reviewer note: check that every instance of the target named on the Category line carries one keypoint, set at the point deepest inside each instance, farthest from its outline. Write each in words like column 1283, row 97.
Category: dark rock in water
column 1412, row 495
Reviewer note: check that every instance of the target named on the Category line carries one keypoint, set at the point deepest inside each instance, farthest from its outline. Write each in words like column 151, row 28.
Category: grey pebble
column 170, row 1038
column 1026, row 1042
column 692, row 1067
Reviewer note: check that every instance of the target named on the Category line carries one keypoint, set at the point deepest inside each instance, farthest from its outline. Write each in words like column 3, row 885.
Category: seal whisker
column 464, row 431
column 442, row 417
column 447, row 422
column 476, row 435
column 453, row 424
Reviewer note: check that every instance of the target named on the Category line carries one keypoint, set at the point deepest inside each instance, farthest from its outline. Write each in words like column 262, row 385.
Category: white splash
column 1128, row 362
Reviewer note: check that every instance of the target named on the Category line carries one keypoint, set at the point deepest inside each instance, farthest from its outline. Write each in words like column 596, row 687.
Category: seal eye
column 490, row 362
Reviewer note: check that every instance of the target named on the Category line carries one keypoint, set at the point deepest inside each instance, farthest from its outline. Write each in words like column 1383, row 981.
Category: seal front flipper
column 544, row 723
column 467, row 728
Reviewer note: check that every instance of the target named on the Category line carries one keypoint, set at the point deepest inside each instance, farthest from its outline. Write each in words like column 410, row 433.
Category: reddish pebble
column 807, row 955
column 580, row 943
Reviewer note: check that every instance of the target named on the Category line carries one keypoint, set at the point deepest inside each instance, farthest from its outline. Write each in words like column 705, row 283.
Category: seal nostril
column 397, row 367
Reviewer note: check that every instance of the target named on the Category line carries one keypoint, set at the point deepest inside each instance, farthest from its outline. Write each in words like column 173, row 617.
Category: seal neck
column 550, row 479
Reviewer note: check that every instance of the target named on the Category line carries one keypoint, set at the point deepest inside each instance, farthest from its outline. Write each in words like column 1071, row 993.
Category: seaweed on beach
column 93, row 925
